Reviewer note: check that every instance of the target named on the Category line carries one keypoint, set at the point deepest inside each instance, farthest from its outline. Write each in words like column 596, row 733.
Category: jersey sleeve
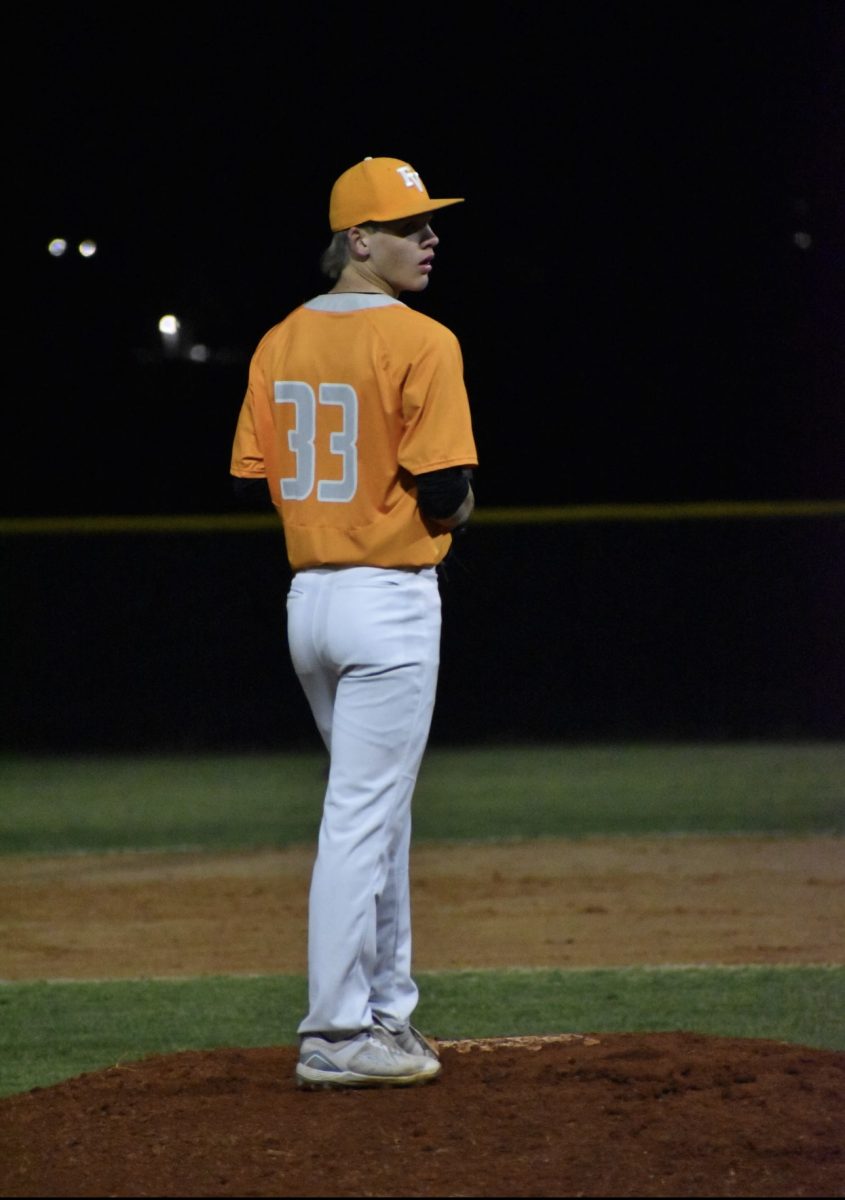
column 247, row 458
column 437, row 423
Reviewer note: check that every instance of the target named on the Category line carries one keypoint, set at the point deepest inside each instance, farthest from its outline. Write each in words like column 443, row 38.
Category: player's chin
column 418, row 284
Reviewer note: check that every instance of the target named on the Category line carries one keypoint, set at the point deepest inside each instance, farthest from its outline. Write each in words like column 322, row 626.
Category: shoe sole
column 312, row 1081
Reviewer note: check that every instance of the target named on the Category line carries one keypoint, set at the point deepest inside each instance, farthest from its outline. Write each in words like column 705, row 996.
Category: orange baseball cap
column 379, row 189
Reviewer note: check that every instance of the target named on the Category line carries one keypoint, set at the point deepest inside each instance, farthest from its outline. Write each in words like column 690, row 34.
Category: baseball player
column 356, row 416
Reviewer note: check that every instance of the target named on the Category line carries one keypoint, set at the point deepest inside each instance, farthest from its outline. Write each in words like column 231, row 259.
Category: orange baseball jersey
column 348, row 398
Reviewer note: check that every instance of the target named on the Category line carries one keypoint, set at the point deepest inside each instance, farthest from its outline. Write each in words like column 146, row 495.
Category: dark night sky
column 639, row 321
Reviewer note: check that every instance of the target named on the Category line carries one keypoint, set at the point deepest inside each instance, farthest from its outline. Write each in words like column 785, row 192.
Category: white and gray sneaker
column 411, row 1041
column 370, row 1059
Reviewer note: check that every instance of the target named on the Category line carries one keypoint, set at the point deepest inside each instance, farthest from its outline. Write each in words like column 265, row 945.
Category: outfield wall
column 664, row 623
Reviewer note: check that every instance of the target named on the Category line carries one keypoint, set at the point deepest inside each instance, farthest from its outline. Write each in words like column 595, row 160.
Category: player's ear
column 359, row 243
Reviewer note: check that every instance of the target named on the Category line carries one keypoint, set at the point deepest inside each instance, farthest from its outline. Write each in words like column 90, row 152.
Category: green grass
column 55, row 805
column 554, row 791
column 54, row 1031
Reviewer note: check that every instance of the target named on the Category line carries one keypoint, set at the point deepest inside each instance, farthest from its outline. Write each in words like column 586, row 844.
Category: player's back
column 352, row 394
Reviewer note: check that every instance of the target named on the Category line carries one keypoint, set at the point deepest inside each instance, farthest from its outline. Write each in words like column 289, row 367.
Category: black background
column 637, row 318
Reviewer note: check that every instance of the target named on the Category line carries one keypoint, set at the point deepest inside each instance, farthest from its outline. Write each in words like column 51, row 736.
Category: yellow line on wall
column 710, row 510
column 189, row 523
column 697, row 510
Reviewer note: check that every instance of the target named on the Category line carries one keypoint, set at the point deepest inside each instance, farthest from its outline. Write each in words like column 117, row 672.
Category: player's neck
column 353, row 280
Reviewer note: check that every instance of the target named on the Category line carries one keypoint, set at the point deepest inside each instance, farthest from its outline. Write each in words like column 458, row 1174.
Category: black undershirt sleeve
column 441, row 493
column 251, row 494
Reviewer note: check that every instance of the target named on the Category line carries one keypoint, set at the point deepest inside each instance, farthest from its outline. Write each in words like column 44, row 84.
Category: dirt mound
column 664, row 1114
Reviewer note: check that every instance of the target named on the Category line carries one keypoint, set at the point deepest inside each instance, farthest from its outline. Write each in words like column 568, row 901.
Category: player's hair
column 336, row 255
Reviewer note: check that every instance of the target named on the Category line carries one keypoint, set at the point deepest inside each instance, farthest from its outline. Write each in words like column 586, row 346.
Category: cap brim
column 412, row 209
column 429, row 206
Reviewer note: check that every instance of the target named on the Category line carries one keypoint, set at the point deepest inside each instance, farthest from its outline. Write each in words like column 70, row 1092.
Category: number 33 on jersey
column 343, row 443
column 329, row 413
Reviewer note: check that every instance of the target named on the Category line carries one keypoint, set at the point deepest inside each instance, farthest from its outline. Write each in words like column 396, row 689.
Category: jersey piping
column 350, row 301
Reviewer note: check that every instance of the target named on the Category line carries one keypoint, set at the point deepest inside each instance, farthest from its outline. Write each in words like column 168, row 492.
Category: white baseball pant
column 365, row 644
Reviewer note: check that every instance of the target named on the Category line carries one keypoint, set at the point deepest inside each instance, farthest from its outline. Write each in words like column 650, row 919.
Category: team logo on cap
column 411, row 177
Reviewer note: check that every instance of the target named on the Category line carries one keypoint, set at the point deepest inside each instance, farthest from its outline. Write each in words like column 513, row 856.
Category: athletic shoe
column 411, row 1041
column 370, row 1059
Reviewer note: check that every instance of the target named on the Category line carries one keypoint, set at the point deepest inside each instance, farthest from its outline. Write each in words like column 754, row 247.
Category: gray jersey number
column 343, row 442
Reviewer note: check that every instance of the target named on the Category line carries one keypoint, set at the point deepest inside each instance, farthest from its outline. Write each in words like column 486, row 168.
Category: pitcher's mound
column 662, row 1114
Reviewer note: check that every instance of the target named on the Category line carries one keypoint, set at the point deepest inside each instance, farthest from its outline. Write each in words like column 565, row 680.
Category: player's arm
column 250, row 489
column 446, row 496
column 251, row 494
